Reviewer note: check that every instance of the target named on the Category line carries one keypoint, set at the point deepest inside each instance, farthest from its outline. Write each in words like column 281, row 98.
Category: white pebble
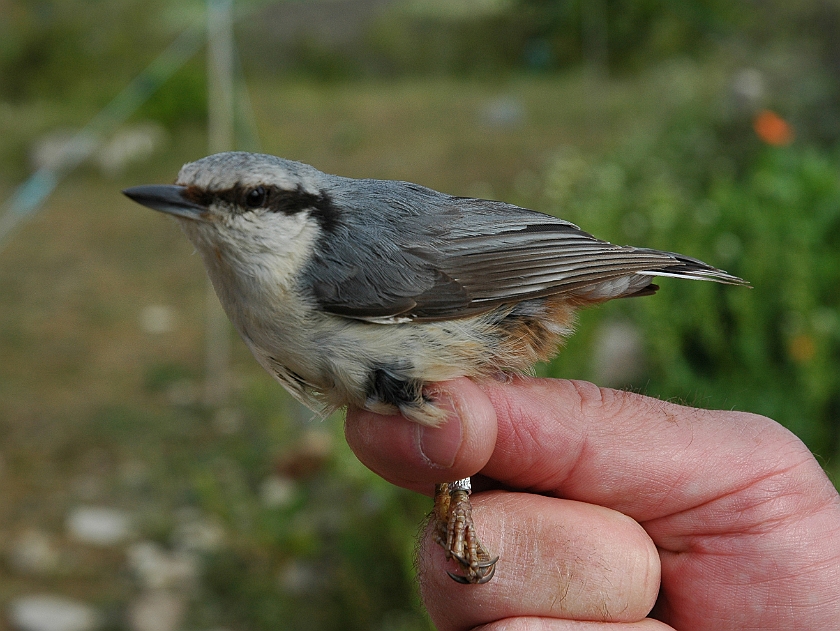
column 52, row 613
column 618, row 354
column 157, row 319
column 158, row 610
column 156, row 568
column 277, row 491
column 199, row 534
column 99, row 526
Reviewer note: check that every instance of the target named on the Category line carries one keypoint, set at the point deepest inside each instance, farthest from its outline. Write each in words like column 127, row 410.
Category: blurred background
column 154, row 478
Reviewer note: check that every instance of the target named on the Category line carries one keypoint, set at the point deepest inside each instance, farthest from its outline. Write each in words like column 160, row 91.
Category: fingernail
column 440, row 445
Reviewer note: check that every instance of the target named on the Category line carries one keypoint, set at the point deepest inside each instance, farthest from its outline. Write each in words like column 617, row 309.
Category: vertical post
column 220, row 74
column 594, row 35
column 220, row 112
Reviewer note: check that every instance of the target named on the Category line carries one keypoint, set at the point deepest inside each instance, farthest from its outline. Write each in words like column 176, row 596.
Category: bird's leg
column 455, row 532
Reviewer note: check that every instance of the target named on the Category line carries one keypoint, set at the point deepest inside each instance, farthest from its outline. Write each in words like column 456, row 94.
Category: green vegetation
column 772, row 350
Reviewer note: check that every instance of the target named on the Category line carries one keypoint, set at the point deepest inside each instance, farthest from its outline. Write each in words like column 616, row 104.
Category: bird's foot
column 455, row 532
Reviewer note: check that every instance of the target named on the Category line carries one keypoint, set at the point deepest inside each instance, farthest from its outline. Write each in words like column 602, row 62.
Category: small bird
column 362, row 292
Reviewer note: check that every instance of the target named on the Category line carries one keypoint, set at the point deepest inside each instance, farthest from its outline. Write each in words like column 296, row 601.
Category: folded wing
column 476, row 255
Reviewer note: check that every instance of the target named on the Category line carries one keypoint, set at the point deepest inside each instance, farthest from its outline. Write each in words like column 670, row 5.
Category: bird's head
column 246, row 208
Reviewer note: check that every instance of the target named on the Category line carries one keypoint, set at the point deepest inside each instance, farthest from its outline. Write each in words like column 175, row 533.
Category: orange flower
column 773, row 129
column 802, row 348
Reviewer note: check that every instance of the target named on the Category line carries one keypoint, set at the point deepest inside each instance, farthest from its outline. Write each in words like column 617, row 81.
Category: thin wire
column 29, row 196
column 220, row 131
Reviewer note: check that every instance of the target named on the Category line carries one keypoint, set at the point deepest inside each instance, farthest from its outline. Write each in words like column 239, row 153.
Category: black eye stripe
column 274, row 199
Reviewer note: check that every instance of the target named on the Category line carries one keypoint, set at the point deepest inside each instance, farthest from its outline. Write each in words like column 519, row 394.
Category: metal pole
column 220, row 123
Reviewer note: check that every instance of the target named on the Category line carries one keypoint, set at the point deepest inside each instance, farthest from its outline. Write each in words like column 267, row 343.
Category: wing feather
column 435, row 257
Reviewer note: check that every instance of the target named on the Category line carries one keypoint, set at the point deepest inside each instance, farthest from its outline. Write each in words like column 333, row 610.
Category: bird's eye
column 256, row 197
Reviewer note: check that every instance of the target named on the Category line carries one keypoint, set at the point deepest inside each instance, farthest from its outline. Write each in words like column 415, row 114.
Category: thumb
column 415, row 456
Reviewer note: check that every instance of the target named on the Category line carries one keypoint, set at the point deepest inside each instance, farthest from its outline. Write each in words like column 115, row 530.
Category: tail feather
column 694, row 269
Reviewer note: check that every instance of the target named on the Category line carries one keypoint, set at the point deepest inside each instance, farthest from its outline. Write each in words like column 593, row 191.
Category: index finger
column 641, row 456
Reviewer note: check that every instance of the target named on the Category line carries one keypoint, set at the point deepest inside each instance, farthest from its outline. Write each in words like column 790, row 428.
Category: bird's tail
column 687, row 267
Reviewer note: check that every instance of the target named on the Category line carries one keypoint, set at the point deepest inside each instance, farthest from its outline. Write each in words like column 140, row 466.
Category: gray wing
column 423, row 255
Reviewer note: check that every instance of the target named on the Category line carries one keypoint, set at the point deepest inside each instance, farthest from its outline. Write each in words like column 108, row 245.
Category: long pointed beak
column 167, row 198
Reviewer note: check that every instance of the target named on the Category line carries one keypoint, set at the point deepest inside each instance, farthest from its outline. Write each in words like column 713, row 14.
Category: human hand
column 618, row 509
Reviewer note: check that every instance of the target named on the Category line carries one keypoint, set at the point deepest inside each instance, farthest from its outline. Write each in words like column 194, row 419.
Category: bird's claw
column 455, row 532
column 480, row 564
column 485, row 572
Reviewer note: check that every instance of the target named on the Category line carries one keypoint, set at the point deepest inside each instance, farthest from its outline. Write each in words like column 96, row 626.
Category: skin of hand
column 611, row 510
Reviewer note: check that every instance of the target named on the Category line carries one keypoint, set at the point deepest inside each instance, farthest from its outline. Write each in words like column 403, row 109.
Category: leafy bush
column 775, row 221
